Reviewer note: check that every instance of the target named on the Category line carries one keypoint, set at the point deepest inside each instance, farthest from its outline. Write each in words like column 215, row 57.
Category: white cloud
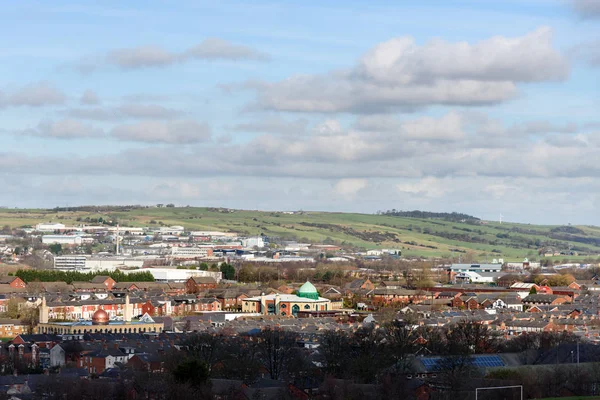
column 140, row 57
column 329, row 127
column 427, row 187
column 149, row 111
column 586, row 8
column 64, row 129
column 175, row 132
column 124, row 111
column 349, row 187
column 89, row 97
column 219, row 49
column 156, row 56
column 401, row 75
column 33, row 95
column 529, row 58
column 275, row 125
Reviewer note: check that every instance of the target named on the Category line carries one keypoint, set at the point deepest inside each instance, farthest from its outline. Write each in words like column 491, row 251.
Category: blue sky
column 484, row 107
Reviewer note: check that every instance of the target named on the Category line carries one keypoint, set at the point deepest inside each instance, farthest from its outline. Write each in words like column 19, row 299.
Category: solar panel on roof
column 433, row 363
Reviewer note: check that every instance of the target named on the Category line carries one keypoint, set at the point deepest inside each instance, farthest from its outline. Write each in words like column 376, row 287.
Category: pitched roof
column 100, row 279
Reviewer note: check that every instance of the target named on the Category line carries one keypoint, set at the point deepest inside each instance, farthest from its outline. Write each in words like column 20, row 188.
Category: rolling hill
column 419, row 234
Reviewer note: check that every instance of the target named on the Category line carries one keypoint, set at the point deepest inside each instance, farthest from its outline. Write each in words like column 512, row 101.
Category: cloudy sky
column 483, row 107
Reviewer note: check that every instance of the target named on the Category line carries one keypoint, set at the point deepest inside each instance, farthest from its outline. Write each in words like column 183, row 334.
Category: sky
column 484, row 107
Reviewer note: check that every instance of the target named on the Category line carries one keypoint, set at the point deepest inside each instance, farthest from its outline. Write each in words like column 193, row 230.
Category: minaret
column 127, row 312
column 43, row 311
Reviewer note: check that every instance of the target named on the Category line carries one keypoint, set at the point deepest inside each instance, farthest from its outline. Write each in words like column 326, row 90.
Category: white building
column 127, row 230
column 191, row 252
column 70, row 263
column 49, row 227
column 171, row 230
column 494, row 267
column 90, row 264
column 214, row 234
column 177, row 275
column 477, row 277
column 253, row 242
column 69, row 240
column 112, row 263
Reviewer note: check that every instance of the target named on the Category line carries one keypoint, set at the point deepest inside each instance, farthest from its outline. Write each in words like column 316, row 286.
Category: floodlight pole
column 498, row 387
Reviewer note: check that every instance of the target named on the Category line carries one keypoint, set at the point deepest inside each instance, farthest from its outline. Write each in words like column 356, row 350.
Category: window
column 306, row 307
column 283, row 313
column 283, row 306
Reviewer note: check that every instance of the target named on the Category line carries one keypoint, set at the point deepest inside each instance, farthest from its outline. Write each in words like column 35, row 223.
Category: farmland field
column 430, row 237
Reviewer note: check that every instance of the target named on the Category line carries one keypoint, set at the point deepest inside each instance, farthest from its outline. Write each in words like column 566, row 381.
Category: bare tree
column 275, row 348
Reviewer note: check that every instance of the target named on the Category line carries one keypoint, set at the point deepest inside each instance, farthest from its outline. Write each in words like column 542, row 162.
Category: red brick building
column 13, row 282
column 107, row 281
column 199, row 283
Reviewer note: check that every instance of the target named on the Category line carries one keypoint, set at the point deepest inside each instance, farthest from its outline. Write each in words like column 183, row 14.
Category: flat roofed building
column 70, row 240
column 476, row 268
column 70, row 263
column 191, row 253
column 49, row 227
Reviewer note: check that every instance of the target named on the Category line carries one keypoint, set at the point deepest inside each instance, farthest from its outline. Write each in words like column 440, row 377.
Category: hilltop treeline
column 47, row 275
column 98, row 208
column 453, row 216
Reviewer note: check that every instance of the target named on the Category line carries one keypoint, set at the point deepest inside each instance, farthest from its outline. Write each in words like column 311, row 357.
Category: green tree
column 191, row 371
column 55, row 248
column 228, row 271
column 533, row 290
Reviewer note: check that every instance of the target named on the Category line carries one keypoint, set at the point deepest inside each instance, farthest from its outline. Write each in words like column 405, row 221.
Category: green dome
column 308, row 291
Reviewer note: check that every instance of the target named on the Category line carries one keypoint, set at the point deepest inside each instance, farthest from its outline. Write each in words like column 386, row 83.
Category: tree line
column 41, row 275
column 453, row 216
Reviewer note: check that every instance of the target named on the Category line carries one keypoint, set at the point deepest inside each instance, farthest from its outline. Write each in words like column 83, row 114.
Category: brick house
column 10, row 328
column 105, row 280
column 154, row 308
column 361, row 284
column 96, row 362
column 465, row 302
column 146, row 362
column 384, row 296
column 210, row 304
column 544, row 299
column 13, row 282
column 199, row 283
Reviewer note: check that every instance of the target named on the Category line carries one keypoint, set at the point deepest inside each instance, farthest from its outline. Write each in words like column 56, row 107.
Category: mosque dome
column 100, row 317
column 308, row 291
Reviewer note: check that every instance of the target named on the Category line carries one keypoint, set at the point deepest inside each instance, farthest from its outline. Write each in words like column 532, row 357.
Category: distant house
column 522, row 326
column 210, row 304
column 98, row 361
column 13, row 282
column 360, row 284
column 105, row 280
column 396, row 296
column 10, row 328
column 544, row 299
column 146, row 362
column 199, row 283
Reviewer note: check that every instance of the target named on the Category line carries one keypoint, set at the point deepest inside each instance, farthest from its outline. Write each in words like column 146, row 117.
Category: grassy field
column 417, row 237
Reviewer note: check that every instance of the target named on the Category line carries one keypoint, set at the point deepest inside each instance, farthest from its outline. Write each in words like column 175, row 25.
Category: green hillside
column 431, row 237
